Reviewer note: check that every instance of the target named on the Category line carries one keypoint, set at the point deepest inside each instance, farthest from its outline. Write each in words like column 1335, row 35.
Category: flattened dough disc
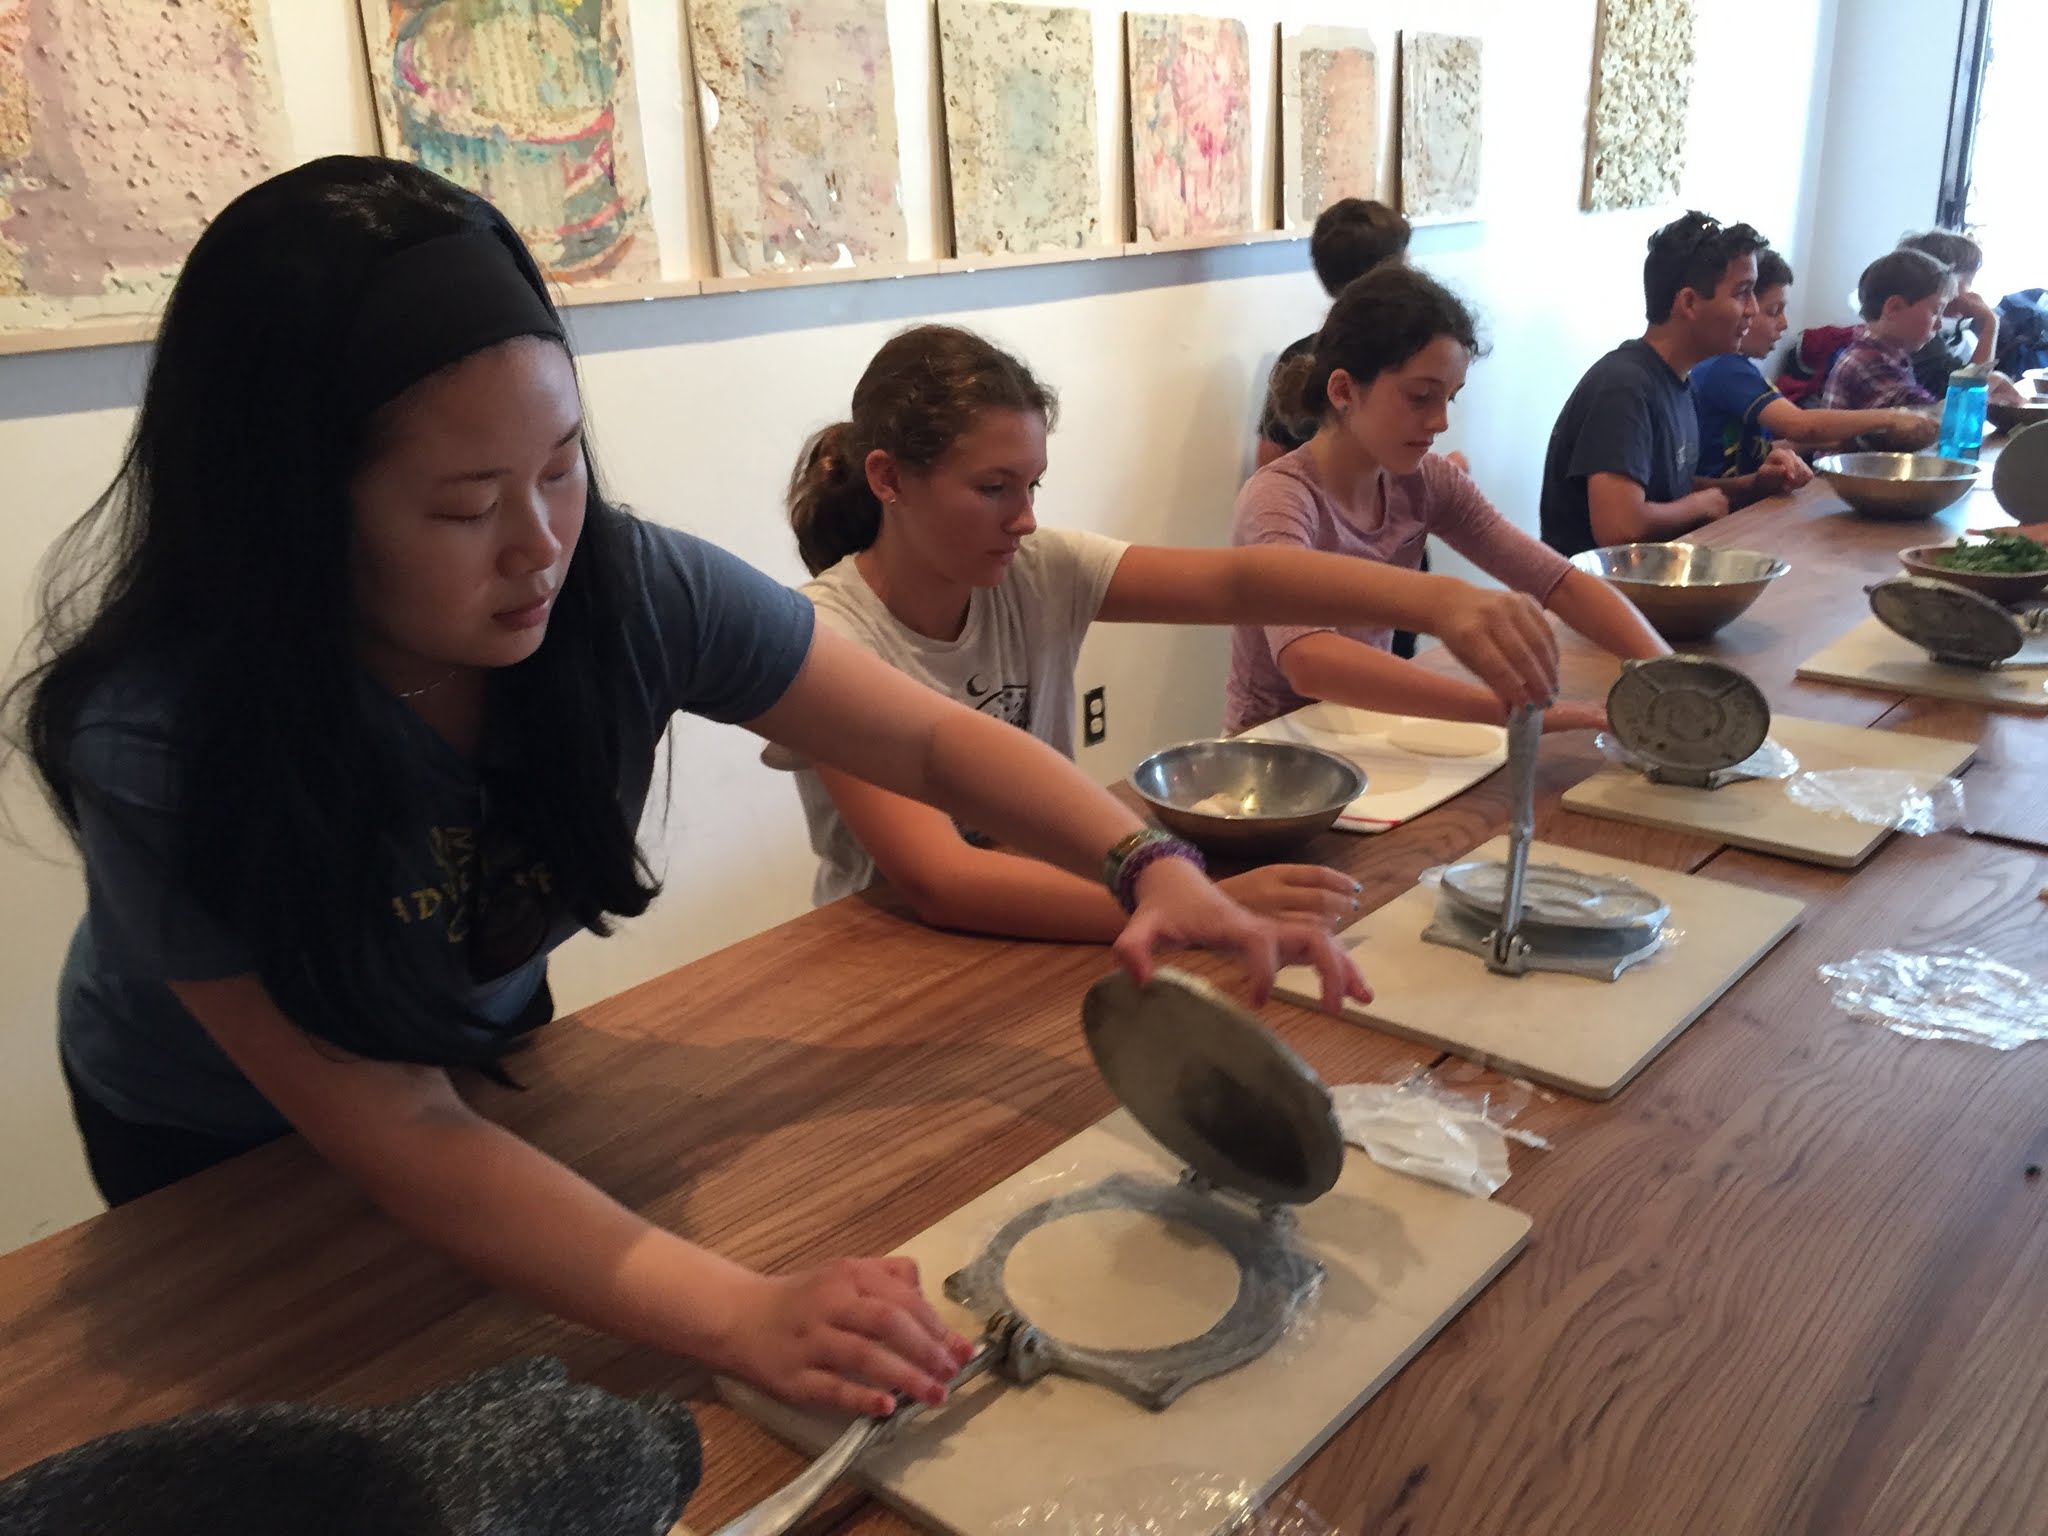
column 1445, row 738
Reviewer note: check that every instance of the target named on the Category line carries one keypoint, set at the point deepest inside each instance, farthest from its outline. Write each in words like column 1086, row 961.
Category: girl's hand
column 1295, row 892
column 1179, row 908
column 1504, row 638
column 1912, row 430
column 1575, row 717
column 847, row 1337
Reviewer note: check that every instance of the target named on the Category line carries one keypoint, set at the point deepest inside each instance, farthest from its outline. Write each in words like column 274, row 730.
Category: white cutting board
column 1871, row 656
column 1399, row 784
column 1759, row 814
column 1402, row 1258
column 1587, row 1037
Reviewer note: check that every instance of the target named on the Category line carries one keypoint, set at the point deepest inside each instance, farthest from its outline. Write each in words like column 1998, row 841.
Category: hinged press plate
column 1213, row 1087
column 1690, row 718
column 1948, row 622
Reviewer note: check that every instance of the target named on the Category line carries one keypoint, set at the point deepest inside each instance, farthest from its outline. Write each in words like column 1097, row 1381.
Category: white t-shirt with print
column 1015, row 659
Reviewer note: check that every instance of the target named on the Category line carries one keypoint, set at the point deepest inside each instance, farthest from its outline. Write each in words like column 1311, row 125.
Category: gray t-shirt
column 1014, row 659
column 706, row 633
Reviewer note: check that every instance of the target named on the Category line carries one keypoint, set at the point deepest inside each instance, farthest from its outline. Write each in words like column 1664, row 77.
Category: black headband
column 434, row 304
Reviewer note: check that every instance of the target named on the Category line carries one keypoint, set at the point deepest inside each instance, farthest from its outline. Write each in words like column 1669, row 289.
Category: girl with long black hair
column 350, row 689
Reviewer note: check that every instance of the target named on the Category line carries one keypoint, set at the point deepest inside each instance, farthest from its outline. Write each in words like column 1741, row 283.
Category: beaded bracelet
column 1137, row 853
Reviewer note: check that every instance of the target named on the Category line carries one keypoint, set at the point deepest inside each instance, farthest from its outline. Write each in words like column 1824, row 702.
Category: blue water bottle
column 1962, row 415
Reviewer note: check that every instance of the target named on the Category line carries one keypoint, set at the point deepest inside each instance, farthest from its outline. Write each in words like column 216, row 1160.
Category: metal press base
column 1274, row 1279
column 1600, row 954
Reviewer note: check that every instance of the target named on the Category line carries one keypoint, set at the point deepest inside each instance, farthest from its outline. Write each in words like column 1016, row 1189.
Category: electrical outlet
column 1094, row 718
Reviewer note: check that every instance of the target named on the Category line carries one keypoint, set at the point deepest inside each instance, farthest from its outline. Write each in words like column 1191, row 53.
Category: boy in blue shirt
column 1740, row 412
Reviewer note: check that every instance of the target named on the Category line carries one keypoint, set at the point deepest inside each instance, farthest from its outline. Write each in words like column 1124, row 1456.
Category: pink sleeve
column 1458, row 512
column 1276, row 508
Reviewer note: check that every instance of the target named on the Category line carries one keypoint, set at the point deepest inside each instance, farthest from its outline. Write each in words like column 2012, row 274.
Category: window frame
column 1973, row 52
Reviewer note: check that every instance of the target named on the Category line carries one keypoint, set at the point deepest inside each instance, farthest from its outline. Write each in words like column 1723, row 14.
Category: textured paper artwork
column 125, row 125
column 530, row 104
column 1191, row 164
column 1020, row 126
column 799, row 113
column 1440, row 126
column 1642, row 82
column 1329, row 120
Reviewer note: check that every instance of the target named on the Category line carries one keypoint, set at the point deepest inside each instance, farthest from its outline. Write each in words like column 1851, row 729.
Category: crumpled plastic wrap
column 1881, row 797
column 1769, row 761
column 1164, row 1501
column 1945, row 994
column 1419, row 1127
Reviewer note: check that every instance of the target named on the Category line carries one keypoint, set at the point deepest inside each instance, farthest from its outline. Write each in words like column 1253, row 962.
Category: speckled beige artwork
column 125, row 125
column 1329, row 120
column 1642, row 82
column 1440, row 126
column 1191, row 163
column 798, row 107
column 1020, row 126
column 529, row 103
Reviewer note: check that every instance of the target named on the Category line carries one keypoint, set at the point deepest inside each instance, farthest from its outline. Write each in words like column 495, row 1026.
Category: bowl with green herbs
column 2007, row 567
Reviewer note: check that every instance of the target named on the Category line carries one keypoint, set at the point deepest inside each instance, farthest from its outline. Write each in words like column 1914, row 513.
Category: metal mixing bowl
column 1686, row 591
column 1897, row 486
column 2000, row 586
column 2031, row 409
column 1243, row 797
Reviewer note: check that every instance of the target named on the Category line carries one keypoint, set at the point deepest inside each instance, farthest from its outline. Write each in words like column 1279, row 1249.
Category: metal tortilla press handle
column 790, row 1503
column 1525, row 731
column 782, row 1509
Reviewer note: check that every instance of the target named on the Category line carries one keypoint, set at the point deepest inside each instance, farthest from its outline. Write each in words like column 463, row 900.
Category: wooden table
column 1791, row 1280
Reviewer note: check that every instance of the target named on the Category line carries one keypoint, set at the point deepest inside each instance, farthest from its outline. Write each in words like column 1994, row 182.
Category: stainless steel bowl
column 1686, row 591
column 1897, row 486
column 2030, row 410
column 1244, row 797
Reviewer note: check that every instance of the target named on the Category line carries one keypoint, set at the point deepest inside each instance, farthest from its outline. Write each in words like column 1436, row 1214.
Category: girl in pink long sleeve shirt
column 1378, row 386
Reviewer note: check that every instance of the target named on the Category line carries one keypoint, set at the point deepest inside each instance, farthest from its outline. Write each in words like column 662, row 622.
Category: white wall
column 1885, row 131
column 698, row 407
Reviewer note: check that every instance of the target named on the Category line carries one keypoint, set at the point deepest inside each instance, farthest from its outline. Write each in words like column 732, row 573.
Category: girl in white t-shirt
column 916, row 518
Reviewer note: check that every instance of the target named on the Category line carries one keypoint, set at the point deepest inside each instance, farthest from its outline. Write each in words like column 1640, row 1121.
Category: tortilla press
column 1257, row 1135
column 1954, row 625
column 1521, row 917
column 1688, row 721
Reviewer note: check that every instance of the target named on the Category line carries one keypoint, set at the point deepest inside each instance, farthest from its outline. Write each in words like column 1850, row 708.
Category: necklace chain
column 414, row 693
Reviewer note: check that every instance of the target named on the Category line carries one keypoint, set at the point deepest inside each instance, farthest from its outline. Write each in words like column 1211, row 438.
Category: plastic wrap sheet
column 1769, row 761
column 1419, row 1127
column 1164, row 1501
column 1951, row 994
column 1881, row 797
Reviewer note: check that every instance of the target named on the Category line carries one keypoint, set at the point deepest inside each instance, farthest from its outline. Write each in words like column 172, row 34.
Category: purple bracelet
column 1144, row 858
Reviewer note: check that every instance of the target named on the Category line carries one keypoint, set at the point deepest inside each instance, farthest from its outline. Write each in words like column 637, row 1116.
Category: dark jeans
column 129, row 1160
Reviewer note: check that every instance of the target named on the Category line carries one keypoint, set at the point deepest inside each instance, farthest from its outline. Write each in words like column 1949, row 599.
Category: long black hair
column 218, row 559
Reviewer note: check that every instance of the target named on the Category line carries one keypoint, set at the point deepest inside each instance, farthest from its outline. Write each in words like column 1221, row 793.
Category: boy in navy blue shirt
column 1623, row 462
column 1740, row 412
